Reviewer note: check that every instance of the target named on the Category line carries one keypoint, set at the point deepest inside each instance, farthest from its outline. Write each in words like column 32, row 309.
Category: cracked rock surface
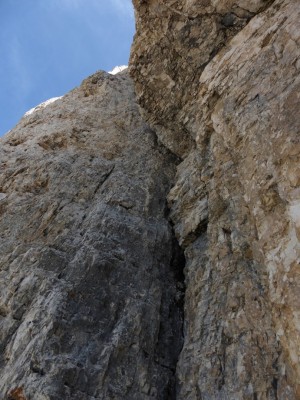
column 228, row 105
column 97, row 207
column 89, row 301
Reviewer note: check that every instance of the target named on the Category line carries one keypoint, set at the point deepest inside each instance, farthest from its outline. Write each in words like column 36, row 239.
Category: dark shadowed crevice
column 171, row 334
column 178, row 265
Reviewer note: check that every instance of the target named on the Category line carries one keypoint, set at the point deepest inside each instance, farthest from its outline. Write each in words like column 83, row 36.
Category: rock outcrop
column 152, row 251
column 91, row 291
column 228, row 105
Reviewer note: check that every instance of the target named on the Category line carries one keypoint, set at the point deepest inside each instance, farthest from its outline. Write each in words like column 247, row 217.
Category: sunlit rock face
column 150, row 249
column 219, row 81
column 174, row 42
column 90, row 278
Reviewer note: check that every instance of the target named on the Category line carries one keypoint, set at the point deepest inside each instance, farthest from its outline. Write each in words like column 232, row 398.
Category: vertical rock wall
column 90, row 298
column 228, row 105
column 91, row 284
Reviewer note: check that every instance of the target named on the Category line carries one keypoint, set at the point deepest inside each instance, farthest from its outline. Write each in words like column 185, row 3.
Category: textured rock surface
column 175, row 40
column 228, row 104
column 91, row 291
column 90, row 306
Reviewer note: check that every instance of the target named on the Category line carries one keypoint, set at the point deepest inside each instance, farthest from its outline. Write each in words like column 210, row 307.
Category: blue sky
column 49, row 46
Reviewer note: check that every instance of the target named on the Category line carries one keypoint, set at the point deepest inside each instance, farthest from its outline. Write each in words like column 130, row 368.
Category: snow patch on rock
column 118, row 69
column 42, row 105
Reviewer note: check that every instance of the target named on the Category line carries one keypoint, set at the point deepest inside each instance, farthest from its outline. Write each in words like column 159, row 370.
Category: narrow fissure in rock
column 171, row 333
column 178, row 264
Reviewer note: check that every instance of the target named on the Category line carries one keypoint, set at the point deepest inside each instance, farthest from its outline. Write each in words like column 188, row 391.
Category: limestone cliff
column 228, row 105
column 90, row 271
column 99, row 198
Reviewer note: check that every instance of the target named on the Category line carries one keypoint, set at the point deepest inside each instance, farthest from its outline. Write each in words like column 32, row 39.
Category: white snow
column 42, row 105
column 118, row 69
column 115, row 71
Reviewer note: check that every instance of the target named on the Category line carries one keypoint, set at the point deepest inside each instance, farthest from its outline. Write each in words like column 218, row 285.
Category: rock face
column 98, row 206
column 91, row 286
column 228, row 105
column 175, row 40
